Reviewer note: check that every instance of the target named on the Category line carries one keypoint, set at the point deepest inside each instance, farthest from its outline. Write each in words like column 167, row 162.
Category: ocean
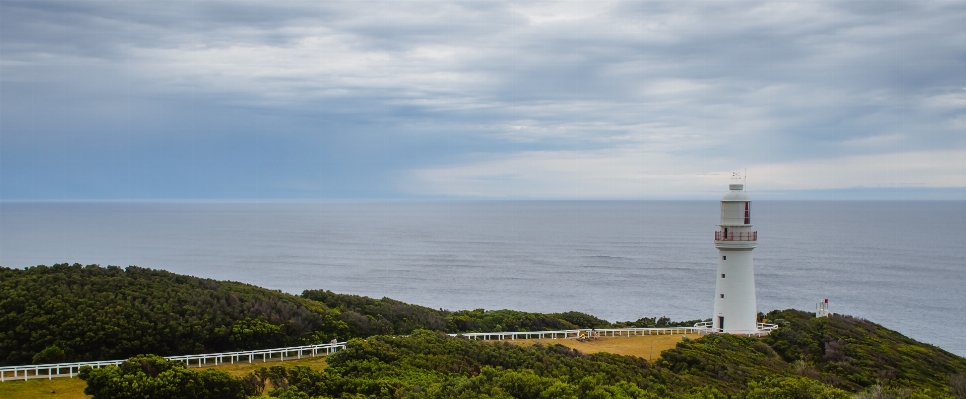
column 898, row 263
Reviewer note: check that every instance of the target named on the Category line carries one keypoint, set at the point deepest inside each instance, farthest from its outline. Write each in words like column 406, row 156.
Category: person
column 334, row 341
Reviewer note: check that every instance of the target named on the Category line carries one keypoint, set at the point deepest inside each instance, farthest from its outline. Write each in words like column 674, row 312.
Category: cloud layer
column 477, row 99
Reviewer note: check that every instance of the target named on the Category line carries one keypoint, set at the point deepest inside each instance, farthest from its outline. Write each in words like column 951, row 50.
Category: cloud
column 636, row 173
column 420, row 90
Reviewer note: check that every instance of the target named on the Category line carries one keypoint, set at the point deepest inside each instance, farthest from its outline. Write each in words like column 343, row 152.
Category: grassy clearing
column 242, row 369
column 73, row 388
column 57, row 388
column 646, row 346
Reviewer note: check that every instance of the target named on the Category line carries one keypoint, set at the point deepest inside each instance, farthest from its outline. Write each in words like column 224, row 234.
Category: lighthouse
column 735, row 307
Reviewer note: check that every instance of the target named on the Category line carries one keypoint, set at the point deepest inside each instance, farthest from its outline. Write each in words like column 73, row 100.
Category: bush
column 957, row 385
column 50, row 354
column 153, row 377
column 793, row 388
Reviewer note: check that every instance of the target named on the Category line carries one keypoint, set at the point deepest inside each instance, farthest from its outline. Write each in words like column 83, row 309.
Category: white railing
column 736, row 236
column 56, row 370
column 570, row 334
column 763, row 329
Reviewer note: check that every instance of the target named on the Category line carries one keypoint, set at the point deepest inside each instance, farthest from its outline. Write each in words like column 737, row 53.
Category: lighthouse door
column 721, row 323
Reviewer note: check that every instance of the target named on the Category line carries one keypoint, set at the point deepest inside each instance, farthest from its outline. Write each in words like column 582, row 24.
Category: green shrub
column 153, row 377
column 793, row 388
column 50, row 354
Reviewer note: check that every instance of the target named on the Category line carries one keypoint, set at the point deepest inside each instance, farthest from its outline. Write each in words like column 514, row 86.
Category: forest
column 71, row 312
column 81, row 313
column 398, row 350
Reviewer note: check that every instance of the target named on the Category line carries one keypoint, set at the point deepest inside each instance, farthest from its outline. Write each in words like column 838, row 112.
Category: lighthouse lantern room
column 735, row 305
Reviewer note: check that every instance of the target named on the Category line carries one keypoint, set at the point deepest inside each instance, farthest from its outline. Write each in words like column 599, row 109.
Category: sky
column 290, row 100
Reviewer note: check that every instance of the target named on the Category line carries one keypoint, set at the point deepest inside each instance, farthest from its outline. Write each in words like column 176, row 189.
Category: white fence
column 57, row 370
column 699, row 328
column 763, row 329
column 565, row 334
column 50, row 371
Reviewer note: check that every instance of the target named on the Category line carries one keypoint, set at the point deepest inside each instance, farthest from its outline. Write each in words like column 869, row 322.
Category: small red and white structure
column 821, row 309
column 735, row 305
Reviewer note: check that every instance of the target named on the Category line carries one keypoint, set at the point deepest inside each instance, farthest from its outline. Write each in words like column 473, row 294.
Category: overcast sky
column 562, row 100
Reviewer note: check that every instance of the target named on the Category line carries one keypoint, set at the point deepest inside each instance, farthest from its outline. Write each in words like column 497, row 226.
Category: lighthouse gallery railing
column 736, row 236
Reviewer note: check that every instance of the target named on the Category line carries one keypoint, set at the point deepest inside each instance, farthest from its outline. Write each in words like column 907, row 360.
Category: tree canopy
column 82, row 313
column 73, row 312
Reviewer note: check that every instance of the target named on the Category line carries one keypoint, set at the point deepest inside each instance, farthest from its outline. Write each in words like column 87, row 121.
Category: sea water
column 900, row 264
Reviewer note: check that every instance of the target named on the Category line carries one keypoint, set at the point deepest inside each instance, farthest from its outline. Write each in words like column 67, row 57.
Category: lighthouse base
column 708, row 327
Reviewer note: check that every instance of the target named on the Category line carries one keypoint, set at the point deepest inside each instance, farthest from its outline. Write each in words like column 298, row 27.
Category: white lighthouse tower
column 735, row 306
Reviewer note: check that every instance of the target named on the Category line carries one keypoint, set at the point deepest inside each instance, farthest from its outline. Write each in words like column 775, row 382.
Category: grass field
column 57, row 388
column 648, row 347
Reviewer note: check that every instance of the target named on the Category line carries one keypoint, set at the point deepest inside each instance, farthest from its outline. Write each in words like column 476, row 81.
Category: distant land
column 78, row 313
